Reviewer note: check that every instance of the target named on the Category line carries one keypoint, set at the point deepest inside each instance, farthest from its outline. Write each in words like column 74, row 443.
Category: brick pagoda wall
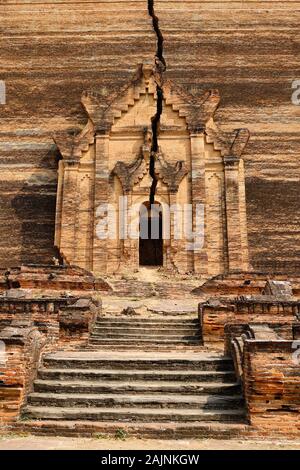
column 51, row 52
column 250, row 52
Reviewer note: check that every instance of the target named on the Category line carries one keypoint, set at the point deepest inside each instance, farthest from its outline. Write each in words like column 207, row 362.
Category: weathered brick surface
column 28, row 326
column 50, row 53
column 231, row 46
column 271, row 377
column 76, row 321
column 195, row 164
column 244, row 283
column 249, row 51
column 50, row 315
column 215, row 314
column 53, row 278
column 22, row 352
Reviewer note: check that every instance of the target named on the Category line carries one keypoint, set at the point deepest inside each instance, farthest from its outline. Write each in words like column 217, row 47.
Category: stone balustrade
column 18, row 365
column 216, row 313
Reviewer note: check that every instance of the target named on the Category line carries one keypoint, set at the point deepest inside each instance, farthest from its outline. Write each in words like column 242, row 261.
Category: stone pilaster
column 59, row 203
column 101, row 199
column 69, row 210
column 130, row 255
column 198, row 197
column 85, row 217
column 235, row 215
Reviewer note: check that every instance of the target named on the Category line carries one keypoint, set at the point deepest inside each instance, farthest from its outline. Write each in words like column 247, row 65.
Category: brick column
column 130, row 255
column 198, row 196
column 69, row 211
column 85, row 216
column 234, row 206
column 59, row 203
column 100, row 256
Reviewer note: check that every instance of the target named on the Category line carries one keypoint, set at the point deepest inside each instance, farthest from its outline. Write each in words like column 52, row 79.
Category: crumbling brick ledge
column 23, row 347
column 30, row 327
column 271, row 378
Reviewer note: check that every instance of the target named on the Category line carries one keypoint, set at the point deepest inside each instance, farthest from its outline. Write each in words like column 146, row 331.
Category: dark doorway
column 151, row 240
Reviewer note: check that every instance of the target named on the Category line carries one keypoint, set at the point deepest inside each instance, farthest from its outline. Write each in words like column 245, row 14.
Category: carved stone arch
column 113, row 147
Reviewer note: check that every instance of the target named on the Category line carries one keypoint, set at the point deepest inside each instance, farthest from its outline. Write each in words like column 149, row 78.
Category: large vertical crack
column 160, row 39
column 160, row 65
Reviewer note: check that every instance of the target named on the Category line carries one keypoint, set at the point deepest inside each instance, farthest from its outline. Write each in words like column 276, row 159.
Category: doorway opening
column 151, row 235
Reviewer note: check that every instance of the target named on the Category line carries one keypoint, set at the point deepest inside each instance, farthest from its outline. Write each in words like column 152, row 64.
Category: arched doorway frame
column 151, row 234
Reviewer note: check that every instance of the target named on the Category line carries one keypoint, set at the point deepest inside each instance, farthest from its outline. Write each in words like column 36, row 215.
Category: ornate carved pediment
column 71, row 147
column 103, row 112
column 130, row 174
column 171, row 175
column 229, row 143
column 196, row 110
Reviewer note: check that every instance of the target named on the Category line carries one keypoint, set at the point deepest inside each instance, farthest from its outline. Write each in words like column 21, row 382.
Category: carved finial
column 71, row 145
column 239, row 141
column 171, row 174
column 231, row 144
column 146, row 147
column 130, row 173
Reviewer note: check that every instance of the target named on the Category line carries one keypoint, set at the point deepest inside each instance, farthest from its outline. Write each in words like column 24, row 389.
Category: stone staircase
column 150, row 394
column 142, row 289
column 140, row 332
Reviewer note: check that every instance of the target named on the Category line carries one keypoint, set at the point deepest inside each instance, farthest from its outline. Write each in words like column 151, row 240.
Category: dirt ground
column 63, row 443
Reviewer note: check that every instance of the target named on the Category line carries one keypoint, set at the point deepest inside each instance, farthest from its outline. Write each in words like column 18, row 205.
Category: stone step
column 127, row 335
column 97, row 361
column 148, row 430
column 133, row 414
column 174, row 401
column 158, row 387
column 155, row 348
column 144, row 341
column 159, row 322
column 144, row 289
column 141, row 330
column 116, row 375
